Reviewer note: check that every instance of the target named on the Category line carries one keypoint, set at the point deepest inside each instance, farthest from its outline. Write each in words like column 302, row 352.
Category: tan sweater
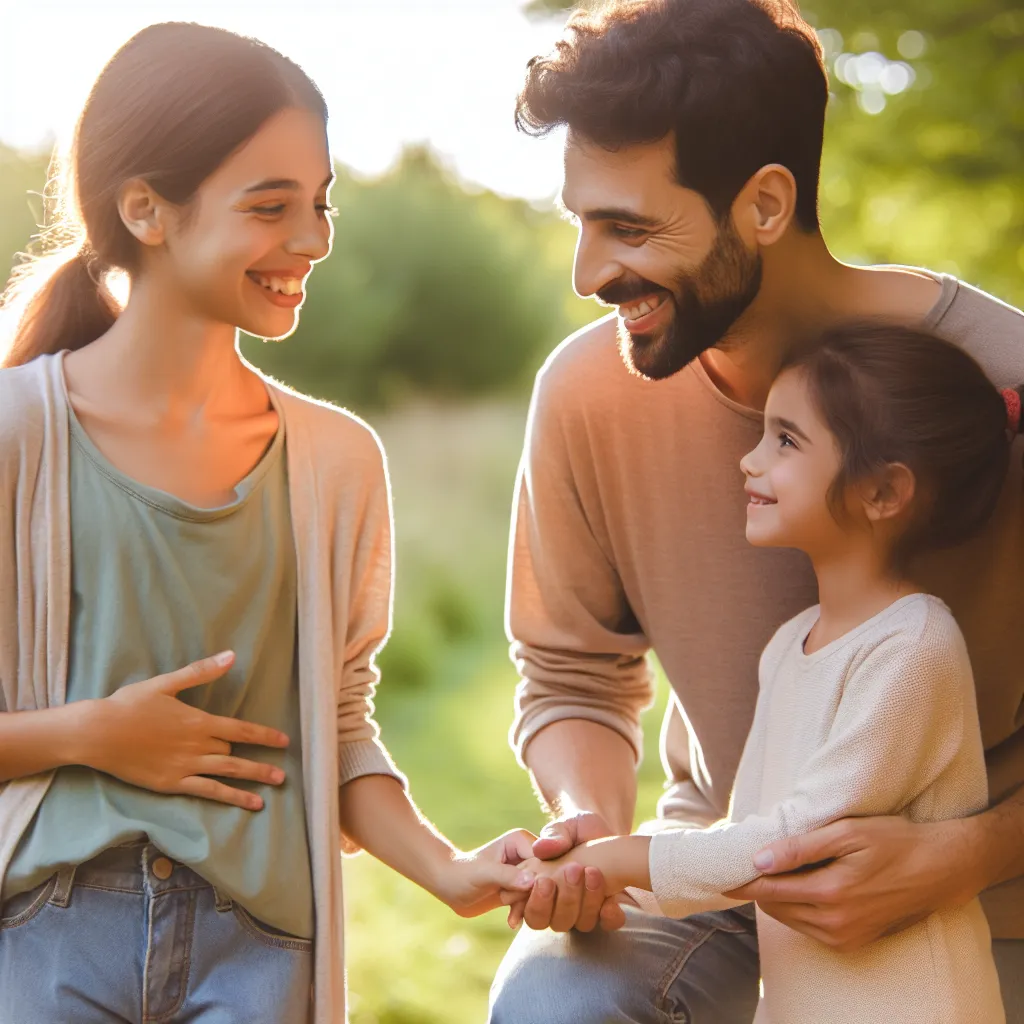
column 341, row 521
column 881, row 721
column 629, row 534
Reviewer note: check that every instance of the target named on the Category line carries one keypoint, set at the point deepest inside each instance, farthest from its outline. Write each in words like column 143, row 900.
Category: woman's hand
column 143, row 735
column 472, row 883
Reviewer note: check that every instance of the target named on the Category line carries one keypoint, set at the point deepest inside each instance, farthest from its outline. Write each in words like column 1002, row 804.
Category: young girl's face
column 241, row 251
column 790, row 472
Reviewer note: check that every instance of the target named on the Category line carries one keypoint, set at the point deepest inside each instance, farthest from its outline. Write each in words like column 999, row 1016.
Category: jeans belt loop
column 65, row 881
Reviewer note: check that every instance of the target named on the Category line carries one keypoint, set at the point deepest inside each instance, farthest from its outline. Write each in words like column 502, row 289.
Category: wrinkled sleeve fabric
column 575, row 642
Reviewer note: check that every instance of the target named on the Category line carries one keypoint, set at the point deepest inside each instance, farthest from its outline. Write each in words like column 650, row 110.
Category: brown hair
column 891, row 394
column 740, row 83
column 171, row 105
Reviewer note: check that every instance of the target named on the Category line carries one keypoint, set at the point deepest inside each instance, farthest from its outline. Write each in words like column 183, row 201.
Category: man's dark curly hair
column 740, row 83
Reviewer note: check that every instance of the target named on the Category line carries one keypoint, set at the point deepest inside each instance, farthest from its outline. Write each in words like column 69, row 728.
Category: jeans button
column 162, row 868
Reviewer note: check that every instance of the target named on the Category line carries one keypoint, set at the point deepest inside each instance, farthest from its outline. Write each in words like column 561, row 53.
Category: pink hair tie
column 1012, row 399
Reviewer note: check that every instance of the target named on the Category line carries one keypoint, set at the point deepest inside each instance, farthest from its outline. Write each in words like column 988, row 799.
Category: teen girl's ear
column 888, row 494
column 765, row 206
column 143, row 212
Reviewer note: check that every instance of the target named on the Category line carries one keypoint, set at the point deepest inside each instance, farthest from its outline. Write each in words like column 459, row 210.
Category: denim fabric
column 113, row 942
column 698, row 970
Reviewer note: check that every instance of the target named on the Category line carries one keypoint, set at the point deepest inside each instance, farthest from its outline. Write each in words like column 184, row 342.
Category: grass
column 410, row 960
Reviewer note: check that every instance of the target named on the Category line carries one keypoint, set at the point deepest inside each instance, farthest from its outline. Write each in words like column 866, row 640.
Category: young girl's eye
column 269, row 211
column 785, row 441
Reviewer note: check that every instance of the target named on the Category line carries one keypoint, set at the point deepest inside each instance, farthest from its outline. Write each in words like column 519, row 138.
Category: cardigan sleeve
column 900, row 724
column 369, row 572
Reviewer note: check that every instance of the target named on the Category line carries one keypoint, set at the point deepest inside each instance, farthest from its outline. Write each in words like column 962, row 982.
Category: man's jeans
column 132, row 938
column 700, row 970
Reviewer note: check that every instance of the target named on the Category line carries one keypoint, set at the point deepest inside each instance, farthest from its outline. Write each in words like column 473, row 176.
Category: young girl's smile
column 790, row 472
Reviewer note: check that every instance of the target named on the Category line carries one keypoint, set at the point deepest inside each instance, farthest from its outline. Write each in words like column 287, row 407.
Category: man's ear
column 143, row 212
column 889, row 493
column 765, row 206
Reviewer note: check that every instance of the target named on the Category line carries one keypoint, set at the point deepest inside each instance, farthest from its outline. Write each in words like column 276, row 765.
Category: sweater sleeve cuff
column 645, row 901
column 357, row 758
column 366, row 757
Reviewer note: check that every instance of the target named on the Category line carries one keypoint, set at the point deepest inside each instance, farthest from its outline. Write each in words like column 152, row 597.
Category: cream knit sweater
column 881, row 721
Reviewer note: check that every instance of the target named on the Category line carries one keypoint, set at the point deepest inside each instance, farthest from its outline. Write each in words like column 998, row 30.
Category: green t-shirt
column 158, row 583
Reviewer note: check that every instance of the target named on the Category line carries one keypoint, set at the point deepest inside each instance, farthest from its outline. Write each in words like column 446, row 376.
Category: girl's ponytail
column 54, row 302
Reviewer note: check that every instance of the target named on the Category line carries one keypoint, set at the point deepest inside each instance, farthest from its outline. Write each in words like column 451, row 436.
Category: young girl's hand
column 143, row 735
column 472, row 883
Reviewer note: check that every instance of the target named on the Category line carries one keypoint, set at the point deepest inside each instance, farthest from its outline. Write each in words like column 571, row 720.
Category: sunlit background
column 449, row 284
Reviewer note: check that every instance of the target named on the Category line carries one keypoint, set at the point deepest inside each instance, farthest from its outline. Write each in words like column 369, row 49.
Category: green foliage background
column 436, row 306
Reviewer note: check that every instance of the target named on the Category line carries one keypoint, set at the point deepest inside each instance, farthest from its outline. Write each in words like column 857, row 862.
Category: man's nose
column 593, row 269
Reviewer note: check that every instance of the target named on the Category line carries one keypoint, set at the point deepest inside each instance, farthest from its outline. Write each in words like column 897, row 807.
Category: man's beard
column 706, row 304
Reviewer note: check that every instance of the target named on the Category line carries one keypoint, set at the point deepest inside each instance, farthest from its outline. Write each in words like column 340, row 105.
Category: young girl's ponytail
column 171, row 105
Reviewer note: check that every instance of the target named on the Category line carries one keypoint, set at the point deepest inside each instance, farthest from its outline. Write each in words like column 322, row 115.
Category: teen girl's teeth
column 641, row 309
column 756, row 499
column 281, row 285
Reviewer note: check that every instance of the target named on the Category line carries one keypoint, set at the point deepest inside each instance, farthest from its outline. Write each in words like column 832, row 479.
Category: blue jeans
column 699, row 970
column 132, row 938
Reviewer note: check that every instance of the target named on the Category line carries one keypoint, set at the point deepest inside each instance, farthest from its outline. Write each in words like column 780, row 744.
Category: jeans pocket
column 25, row 906
column 269, row 936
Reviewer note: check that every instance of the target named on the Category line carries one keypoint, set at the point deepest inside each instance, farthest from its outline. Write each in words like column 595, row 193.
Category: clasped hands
column 846, row 884
column 566, row 895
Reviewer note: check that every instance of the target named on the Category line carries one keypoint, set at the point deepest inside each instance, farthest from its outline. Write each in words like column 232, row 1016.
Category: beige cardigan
column 341, row 515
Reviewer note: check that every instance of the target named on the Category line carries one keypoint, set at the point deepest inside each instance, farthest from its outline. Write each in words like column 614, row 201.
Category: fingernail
column 224, row 657
column 545, row 886
column 573, row 874
column 277, row 775
column 525, row 878
column 764, row 860
column 593, row 880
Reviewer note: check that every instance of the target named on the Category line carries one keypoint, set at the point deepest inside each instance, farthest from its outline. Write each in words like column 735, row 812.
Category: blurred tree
column 926, row 133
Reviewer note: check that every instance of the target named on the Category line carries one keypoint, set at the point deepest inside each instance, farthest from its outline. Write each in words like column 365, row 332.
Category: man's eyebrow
column 270, row 184
column 621, row 214
column 778, row 422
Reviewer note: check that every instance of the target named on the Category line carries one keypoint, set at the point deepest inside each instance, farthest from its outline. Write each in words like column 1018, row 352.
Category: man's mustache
column 621, row 293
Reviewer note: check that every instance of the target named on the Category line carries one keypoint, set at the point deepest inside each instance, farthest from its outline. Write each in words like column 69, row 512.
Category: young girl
column 880, row 444
column 172, row 818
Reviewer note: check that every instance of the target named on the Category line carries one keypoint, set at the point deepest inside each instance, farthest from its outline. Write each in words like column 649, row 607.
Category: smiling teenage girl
column 160, row 501
column 880, row 444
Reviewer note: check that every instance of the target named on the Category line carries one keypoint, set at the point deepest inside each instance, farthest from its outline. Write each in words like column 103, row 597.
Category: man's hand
column 578, row 899
column 882, row 875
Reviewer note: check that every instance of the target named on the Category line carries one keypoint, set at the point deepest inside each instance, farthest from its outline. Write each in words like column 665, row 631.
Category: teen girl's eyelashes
column 324, row 209
column 786, row 440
